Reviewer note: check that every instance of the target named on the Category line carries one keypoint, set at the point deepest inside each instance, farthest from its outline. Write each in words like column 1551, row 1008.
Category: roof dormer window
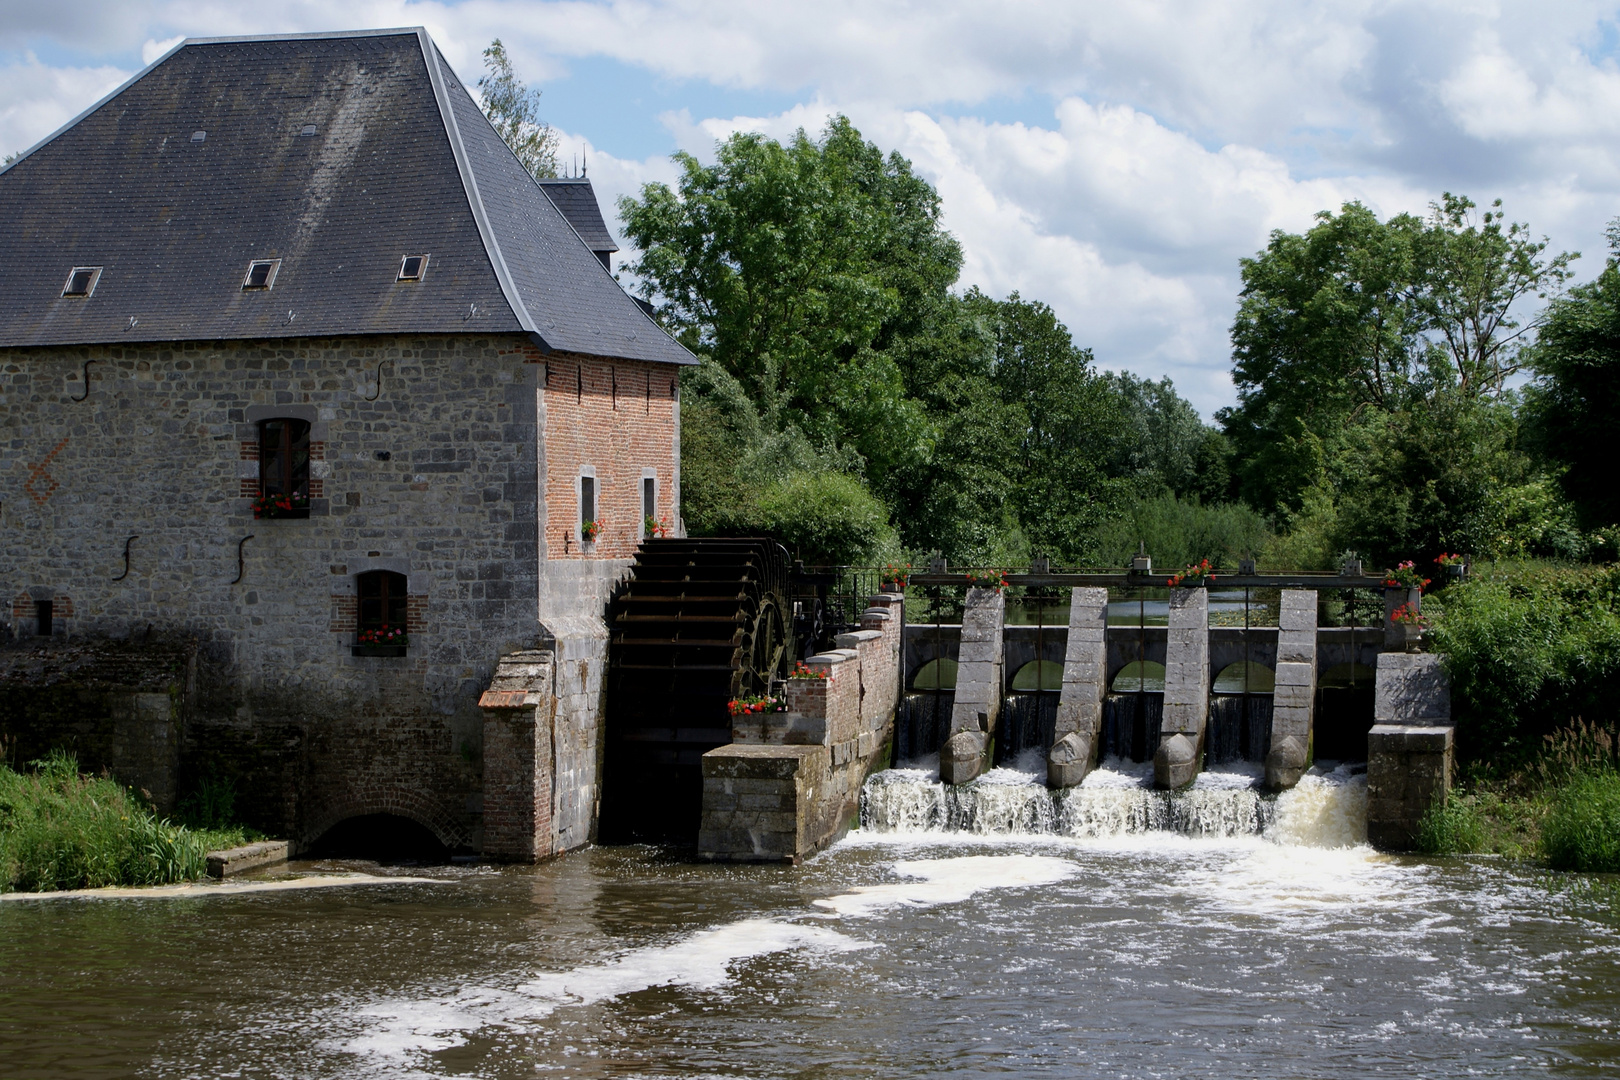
column 198, row 136
column 82, row 281
column 261, row 274
column 413, row 268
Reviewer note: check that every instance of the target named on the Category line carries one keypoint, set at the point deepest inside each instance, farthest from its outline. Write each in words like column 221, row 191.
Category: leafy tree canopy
column 1574, row 406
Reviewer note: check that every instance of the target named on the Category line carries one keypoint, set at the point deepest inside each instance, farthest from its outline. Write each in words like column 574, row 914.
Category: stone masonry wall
column 430, row 450
column 790, row 782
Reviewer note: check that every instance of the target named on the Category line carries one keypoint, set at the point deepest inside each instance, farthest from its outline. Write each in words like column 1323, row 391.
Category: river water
column 1114, row 932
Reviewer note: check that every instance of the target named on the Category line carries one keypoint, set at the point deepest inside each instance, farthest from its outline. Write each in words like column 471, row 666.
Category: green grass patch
column 62, row 830
column 1451, row 827
column 1582, row 831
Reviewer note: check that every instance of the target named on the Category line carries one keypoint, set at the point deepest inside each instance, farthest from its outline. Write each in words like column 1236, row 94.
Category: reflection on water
column 1101, row 940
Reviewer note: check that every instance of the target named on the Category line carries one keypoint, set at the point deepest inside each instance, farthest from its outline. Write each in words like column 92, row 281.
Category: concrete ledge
column 236, row 860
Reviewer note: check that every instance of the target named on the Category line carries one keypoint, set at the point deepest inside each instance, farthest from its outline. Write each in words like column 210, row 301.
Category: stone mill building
column 296, row 359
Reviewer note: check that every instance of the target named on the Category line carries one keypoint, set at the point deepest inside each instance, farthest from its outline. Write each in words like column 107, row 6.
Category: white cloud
column 36, row 99
column 1168, row 138
column 154, row 49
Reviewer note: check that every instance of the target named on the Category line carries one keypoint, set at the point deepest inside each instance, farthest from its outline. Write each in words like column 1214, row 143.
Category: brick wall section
column 619, row 418
column 157, row 449
column 519, row 710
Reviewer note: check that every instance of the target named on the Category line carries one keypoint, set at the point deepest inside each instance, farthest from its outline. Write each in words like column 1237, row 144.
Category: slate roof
column 400, row 161
column 575, row 198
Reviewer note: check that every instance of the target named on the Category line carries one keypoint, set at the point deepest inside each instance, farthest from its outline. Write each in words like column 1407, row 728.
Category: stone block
column 1287, row 759
column 962, row 757
column 238, row 860
column 1069, row 760
column 1175, row 764
column 1408, row 771
column 1411, row 688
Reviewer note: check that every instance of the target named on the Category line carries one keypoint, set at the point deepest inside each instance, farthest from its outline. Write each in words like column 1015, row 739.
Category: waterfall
column 1239, row 728
column 1327, row 809
column 1131, row 726
column 1027, row 722
column 923, row 724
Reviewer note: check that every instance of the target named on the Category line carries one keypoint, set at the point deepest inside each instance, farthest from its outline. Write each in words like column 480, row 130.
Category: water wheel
column 701, row 622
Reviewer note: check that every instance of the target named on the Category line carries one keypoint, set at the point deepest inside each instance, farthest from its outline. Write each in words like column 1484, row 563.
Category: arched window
column 1039, row 675
column 1143, row 676
column 1245, row 678
column 283, row 468
column 382, row 620
column 935, row 675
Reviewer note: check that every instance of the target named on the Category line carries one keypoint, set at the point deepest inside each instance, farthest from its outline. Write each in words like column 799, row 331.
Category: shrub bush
column 1583, row 830
column 826, row 518
column 60, row 830
column 1531, row 649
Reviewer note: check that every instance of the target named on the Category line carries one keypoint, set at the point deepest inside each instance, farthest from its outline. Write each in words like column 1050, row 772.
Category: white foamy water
column 395, row 1031
column 1327, row 809
column 949, row 881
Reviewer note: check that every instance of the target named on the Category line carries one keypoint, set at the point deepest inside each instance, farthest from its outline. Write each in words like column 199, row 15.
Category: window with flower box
column 283, row 469
column 382, row 628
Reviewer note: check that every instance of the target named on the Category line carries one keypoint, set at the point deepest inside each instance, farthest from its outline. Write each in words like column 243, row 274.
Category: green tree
column 800, row 268
column 1574, row 406
column 514, row 111
column 1372, row 360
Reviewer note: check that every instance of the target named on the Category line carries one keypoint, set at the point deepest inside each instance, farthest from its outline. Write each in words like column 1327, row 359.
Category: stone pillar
column 978, row 687
column 1409, row 749
column 1085, row 674
column 1186, row 690
column 1294, row 702
column 519, row 708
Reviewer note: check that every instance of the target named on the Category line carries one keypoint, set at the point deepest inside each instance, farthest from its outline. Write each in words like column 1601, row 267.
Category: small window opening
column 42, row 618
column 283, row 468
column 587, row 500
column 413, row 267
column 261, row 274
column 81, row 281
column 307, row 130
column 649, row 498
column 382, row 608
column 198, row 136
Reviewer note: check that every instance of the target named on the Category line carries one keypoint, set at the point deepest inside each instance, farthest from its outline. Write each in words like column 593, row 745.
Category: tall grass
column 61, row 830
column 1582, row 831
column 1451, row 827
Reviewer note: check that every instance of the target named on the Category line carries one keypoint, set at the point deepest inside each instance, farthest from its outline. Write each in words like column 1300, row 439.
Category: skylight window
column 198, row 136
column 307, row 130
column 261, row 274
column 81, row 281
column 413, row 268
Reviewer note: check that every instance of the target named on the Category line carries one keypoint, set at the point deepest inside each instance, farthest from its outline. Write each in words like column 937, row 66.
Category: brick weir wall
column 432, row 457
column 789, row 784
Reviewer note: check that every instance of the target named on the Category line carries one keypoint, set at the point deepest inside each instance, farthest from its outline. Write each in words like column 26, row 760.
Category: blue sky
column 1115, row 160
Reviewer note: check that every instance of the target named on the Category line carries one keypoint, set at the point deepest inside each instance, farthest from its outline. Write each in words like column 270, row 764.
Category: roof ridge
column 458, row 150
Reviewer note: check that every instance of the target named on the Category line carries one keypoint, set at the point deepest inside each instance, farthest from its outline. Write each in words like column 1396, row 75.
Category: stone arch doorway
column 391, row 839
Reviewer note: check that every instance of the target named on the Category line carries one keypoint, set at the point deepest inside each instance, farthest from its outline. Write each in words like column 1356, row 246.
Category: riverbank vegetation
column 63, row 830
